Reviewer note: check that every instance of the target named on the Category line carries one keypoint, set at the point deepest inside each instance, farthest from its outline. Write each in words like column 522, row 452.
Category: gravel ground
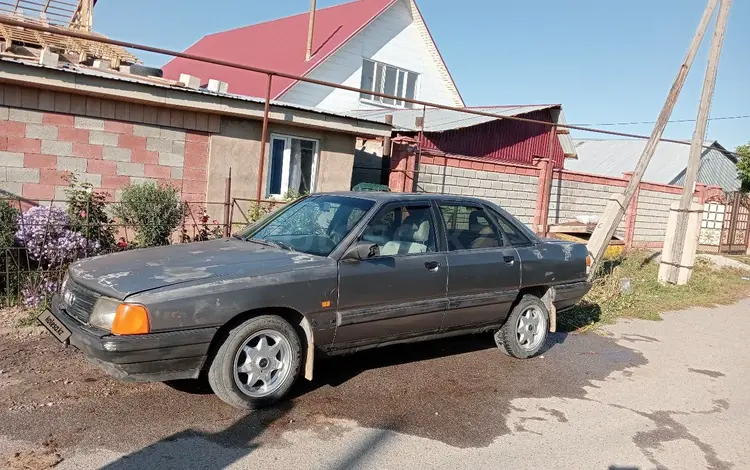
column 639, row 395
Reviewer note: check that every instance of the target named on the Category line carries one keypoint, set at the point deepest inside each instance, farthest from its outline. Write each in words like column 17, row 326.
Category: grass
column 605, row 303
column 741, row 258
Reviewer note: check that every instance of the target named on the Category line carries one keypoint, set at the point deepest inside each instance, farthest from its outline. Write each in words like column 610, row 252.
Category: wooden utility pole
column 310, row 31
column 616, row 207
column 670, row 270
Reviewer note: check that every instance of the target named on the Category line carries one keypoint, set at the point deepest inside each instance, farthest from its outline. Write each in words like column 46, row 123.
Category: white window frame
column 287, row 158
column 376, row 100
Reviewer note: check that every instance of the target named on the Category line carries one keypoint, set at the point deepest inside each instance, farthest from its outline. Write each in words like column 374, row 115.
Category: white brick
column 89, row 123
column 52, row 147
column 23, row 175
column 37, row 131
column 171, row 159
column 25, row 115
column 109, row 139
column 11, row 159
column 74, row 164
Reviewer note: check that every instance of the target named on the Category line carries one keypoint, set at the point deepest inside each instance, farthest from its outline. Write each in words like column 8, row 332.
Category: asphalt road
column 670, row 394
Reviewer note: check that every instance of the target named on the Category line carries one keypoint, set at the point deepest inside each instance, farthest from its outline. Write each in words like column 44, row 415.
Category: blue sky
column 605, row 61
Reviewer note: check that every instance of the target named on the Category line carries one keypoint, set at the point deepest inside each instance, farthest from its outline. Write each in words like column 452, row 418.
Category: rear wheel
column 525, row 332
column 257, row 363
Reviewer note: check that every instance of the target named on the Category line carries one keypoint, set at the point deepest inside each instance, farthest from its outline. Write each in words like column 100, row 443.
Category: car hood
column 122, row 274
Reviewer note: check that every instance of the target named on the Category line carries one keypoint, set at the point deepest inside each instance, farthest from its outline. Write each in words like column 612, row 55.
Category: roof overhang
column 122, row 87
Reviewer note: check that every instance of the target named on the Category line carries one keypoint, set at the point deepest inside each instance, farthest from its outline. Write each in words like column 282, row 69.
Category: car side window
column 402, row 230
column 469, row 228
column 514, row 236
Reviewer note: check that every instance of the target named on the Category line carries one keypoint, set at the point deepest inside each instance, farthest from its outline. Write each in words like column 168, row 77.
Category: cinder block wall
column 512, row 187
column 576, row 194
column 651, row 219
column 44, row 135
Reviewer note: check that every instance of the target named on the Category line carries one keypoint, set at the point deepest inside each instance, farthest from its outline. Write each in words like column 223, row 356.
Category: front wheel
column 524, row 333
column 257, row 363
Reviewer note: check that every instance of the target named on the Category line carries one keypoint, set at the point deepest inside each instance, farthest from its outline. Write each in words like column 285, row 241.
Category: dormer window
column 384, row 78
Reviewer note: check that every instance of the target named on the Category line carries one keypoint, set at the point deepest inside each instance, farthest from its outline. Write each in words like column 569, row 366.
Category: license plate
column 54, row 326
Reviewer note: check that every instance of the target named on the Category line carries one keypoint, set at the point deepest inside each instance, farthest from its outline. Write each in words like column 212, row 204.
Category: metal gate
column 734, row 233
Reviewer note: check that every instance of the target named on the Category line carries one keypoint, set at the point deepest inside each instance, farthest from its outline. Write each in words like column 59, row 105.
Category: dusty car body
column 254, row 310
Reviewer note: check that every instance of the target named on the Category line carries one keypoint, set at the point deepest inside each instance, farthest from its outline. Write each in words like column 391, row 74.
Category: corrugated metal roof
column 614, row 157
column 441, row 120
column 129, row 78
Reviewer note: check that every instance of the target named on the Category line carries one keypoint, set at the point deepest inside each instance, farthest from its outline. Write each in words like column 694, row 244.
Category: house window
column 293, row 163
column 390, row 80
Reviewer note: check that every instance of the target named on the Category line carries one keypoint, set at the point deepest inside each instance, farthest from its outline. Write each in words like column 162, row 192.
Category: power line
column 724, row 118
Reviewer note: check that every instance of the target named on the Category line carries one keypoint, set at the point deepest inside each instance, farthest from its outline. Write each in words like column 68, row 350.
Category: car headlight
column 104, row 313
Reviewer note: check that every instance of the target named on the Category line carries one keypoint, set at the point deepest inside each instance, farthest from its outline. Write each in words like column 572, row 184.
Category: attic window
column 390, row 80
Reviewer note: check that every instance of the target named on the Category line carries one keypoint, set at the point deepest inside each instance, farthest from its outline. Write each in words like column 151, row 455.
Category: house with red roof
column 382, row 45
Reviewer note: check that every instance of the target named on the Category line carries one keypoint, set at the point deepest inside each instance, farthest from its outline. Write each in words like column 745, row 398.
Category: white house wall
column 394, row 39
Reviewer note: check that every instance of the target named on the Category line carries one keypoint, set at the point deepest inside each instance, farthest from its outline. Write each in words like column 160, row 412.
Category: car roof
column 395, row 196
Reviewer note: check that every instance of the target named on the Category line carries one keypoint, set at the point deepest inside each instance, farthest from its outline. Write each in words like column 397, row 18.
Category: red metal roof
column 277, row 45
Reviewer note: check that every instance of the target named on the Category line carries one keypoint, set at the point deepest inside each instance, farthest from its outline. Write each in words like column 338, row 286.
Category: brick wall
column 512, row 187
column 575, row 194
column 38, row 148
column 651, row 220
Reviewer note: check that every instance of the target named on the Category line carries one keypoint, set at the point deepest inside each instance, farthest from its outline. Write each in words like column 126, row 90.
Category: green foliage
column 8, row 224
column 87, row 212
column 743, row 165
column 154, row 211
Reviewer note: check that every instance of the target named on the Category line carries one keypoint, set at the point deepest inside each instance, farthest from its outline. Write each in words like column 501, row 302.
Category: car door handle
column 509, row 259
column 432, row 266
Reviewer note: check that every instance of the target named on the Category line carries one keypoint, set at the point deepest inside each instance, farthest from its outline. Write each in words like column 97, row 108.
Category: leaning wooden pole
column 616, row 207
column 677, row 260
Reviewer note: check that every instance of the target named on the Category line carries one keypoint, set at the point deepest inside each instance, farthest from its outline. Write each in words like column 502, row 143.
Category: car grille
column 83, row 301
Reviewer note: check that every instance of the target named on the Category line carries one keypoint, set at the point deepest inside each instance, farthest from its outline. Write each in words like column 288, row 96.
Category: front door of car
column 402, row 291
column 484, row 270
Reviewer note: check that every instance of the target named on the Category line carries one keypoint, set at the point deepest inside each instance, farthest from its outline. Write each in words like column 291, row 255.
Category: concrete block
column 91, row 178
column 22, row 175
column 190, row 81
column 140, row 180
column 462, row 181
column 453, row 190
column 171, row 134
column 3, row 174
column 13, row 159
column 177, row 173
column 4, row 113
column 217, row 86
column 142, row 130
column 178, row 147
column 480, row 192
column 117, row 154
column 486, row 184
column 467, row 191
column 471, row 174
column 53, row 147
column 159, row 145
column 25, row 115
column 40, row 131
column 49, row 58
column 13, row 189
column 430, row 188
column 493, row 176
column 107, row 139
column 89, row 123
column 450, row 180
column 129, row 169
column 171, row 159
column 74, row 164
column 458, row 172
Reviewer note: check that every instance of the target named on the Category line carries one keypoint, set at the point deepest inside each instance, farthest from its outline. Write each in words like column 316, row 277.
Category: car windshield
column 314, row 225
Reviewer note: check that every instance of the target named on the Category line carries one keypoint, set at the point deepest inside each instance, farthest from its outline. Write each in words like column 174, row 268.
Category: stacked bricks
column 37, row 150
column 513, row 187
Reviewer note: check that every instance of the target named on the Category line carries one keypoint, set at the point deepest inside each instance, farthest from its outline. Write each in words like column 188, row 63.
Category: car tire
column 525, row 332
column 242, row 357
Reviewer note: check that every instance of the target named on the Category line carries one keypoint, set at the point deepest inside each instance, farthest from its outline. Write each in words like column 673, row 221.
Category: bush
column 154, row 212
column 88, row 215
column 8, row 224
column 45, row 233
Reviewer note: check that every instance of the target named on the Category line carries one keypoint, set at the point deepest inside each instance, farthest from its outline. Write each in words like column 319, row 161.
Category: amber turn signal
column 131, row 320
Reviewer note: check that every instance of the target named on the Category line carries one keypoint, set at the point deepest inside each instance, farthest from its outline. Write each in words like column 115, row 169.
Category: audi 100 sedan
column 328, row 274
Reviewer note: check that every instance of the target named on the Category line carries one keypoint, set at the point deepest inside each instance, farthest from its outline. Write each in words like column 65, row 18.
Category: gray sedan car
column 328, row 274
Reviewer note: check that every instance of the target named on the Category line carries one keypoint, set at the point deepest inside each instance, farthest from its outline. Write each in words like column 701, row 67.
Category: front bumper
column 155, row 357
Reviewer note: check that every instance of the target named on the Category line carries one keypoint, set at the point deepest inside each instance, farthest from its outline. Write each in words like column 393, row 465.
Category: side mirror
column 362, row 250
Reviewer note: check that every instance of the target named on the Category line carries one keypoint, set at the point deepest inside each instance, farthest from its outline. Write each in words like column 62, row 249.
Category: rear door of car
column 483, row 269
column 400, row 293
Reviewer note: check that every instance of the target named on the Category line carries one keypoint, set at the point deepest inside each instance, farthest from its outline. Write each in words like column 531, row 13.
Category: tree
column 743, row 165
